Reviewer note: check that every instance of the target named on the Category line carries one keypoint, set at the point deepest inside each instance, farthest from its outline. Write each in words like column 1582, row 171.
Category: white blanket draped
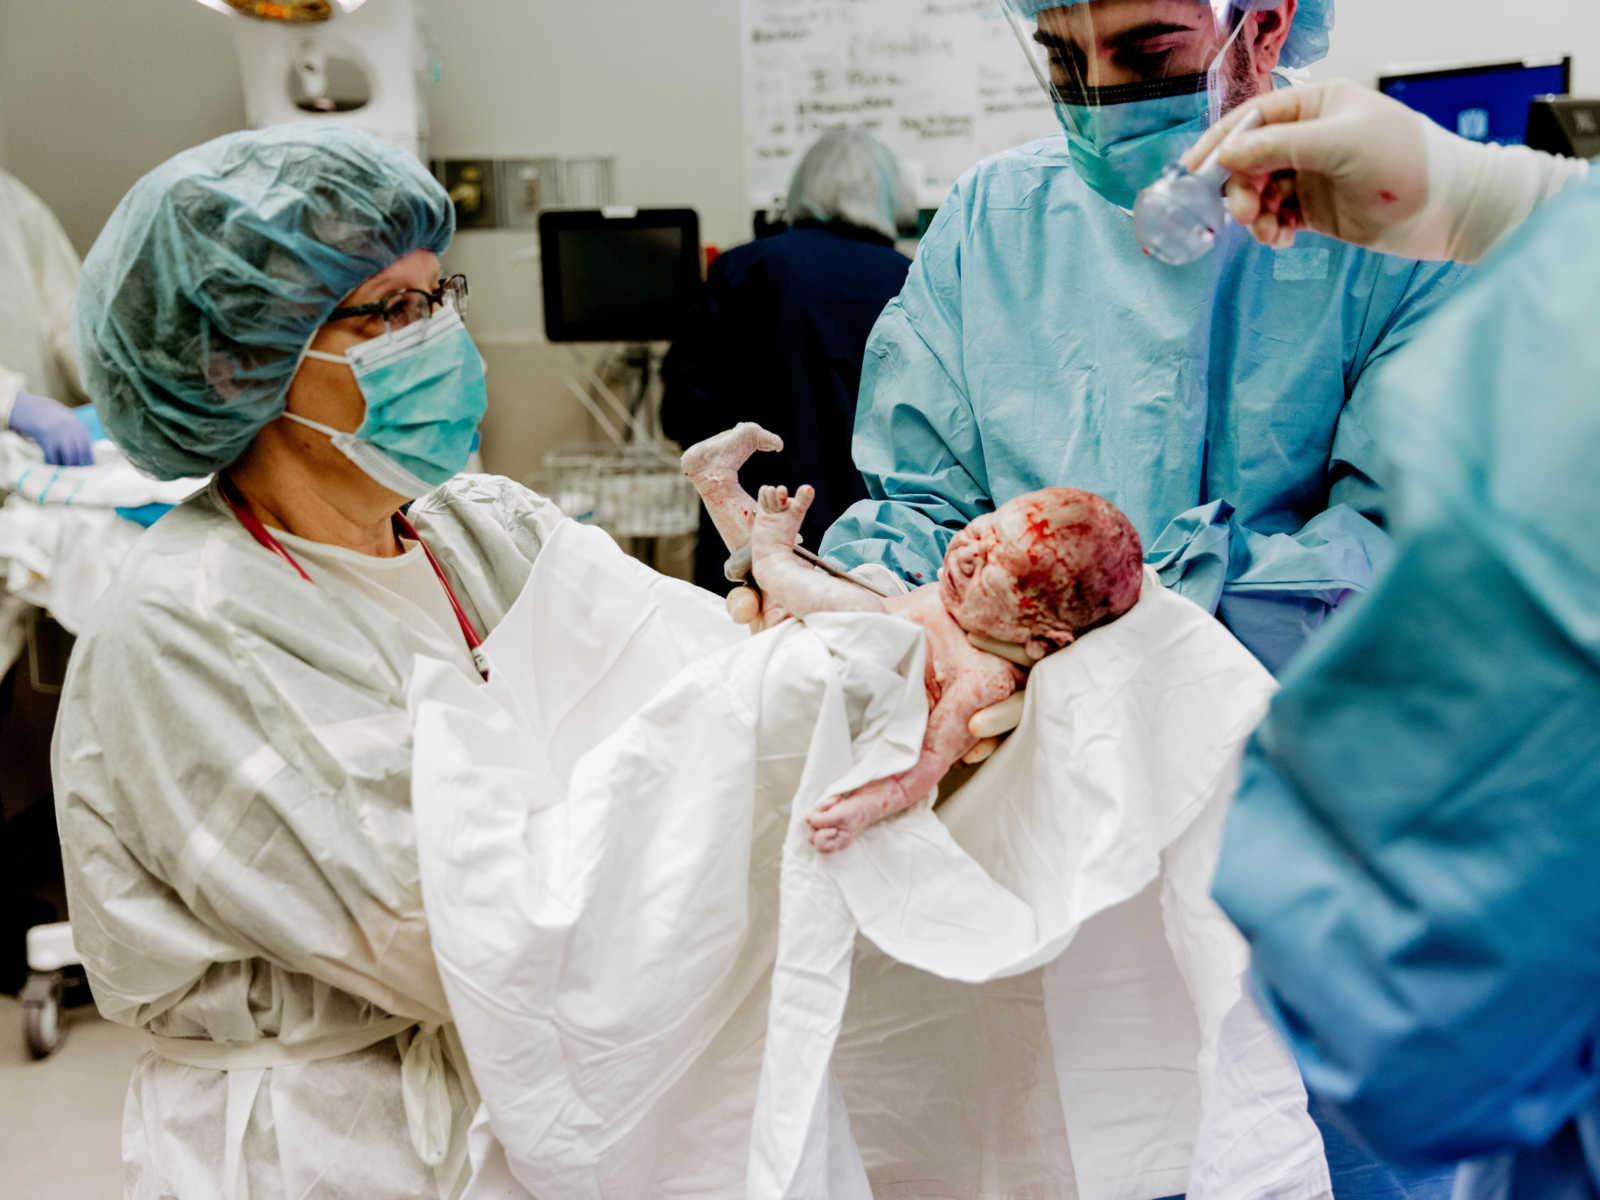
column 61, row 540
column 660, row 985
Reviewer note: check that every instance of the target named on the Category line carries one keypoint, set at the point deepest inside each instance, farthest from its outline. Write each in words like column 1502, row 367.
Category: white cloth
column 233, row 785
column 40, row 273
column 112, row 482
column 13, row 630
column 659, row 984
column 62, row 559
column 61, row 540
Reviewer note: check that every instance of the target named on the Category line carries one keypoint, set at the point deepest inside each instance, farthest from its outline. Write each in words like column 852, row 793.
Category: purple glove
column 63, row 438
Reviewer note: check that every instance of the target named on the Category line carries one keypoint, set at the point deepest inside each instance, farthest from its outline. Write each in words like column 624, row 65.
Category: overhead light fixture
column 288, row 12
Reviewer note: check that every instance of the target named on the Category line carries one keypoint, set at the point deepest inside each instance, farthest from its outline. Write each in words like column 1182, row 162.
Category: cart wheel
column 41, row 1014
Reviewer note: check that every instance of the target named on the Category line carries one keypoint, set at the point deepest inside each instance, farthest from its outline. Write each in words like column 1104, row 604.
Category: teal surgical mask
column 425, row 394
column 1118, row 148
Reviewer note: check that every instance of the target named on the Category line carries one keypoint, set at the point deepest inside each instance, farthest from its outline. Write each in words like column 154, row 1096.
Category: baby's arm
column 790, row 583
column 713, row 467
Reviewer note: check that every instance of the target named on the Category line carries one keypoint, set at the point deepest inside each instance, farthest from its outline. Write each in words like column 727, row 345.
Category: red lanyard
column 402, row 528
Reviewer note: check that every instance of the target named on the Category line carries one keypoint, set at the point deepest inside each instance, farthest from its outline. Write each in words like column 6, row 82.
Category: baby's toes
column 826, row 841
column 839, row 813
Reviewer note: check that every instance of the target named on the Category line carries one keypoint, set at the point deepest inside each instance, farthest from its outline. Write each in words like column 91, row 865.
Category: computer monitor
column 618, row 275
column 1487, row 103
column 1566, row 125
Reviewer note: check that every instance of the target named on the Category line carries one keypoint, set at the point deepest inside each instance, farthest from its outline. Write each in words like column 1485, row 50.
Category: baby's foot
column 779, row 517
column 835, row 824
column 721, row 456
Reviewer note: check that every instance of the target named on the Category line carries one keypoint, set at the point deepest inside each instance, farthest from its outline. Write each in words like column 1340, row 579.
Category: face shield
column 1135, row 82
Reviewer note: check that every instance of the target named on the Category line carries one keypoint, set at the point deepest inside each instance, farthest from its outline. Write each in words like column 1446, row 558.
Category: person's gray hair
column 848, row 176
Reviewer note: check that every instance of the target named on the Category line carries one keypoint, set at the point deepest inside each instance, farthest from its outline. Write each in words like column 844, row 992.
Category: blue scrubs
column 1224, row 406
column 1414, row 853
column 778, row 338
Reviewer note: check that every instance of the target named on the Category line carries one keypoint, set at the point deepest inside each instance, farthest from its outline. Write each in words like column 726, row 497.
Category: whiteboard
column 942, row 83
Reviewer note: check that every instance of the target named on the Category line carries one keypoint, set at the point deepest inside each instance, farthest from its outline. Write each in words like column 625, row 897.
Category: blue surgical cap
column 1308, row 36
column 209, row 280
column 850, row 176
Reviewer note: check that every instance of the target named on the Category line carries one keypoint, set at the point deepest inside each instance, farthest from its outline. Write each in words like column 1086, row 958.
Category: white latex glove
column 1340, row 159
column 745, row 607
column 991, row 725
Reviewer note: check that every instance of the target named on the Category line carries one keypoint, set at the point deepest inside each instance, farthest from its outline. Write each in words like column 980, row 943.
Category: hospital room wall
column 105, row 91
column 653, row 85
column 94, row 93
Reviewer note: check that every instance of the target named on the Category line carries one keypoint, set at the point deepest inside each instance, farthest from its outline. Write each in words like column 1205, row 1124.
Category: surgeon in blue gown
column 1224, row 406
column 1413, row 849
column 781, row 327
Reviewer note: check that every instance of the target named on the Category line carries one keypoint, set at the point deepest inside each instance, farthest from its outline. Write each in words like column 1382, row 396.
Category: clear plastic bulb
column 1179, row 217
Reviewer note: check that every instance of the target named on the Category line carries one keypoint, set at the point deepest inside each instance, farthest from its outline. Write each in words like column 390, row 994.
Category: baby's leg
column 835, row 825
column 789, row 581
column 713, row 467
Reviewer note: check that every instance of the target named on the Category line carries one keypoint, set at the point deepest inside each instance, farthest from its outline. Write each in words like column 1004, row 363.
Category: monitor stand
column 645, row 424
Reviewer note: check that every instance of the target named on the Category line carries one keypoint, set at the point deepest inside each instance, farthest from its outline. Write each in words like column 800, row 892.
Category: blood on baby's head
column 1076, row 558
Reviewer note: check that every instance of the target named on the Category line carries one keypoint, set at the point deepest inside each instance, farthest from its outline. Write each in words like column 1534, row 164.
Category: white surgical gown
column 40, row 273
column 233, row 780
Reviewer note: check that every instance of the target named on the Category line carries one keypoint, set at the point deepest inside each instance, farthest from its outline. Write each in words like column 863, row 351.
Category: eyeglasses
column 399, row 309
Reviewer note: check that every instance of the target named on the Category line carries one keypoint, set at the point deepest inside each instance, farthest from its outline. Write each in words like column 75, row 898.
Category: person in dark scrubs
column 781, row 327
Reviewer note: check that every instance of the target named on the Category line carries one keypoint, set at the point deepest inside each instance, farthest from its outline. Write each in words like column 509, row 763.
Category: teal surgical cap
column 212, row 275
column 1308, row 36
column 850, row 176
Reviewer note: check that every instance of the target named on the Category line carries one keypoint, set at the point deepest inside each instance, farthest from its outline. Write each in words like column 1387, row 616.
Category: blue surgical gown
column 1414, row 853
column 1224, row 406
column 778, row 338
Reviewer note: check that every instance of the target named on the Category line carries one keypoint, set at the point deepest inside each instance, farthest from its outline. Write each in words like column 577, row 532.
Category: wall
column 94, row 92
column 654, row 84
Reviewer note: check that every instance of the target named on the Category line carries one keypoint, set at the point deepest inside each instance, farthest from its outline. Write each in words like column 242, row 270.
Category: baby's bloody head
column 1043, row 568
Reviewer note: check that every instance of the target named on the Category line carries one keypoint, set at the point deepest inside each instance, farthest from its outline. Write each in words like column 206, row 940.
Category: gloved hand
column 1334, row 158
column 1339, row 159
column 63, row 438
column 746, row 608
column 994, row 724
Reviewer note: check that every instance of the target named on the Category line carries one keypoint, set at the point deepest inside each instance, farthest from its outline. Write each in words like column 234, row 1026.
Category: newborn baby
column 1037, row 572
